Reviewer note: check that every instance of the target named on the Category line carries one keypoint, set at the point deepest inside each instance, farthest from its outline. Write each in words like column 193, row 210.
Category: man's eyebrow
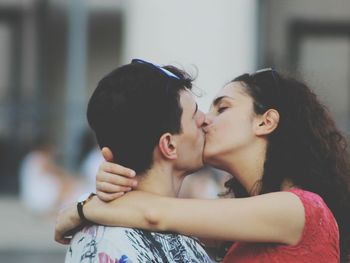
column 195, row 111
column 218, row 99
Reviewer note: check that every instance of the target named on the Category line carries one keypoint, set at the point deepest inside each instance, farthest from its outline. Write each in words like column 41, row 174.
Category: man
column 148, row 118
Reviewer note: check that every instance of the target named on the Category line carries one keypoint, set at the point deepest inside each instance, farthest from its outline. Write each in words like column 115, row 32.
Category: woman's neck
column 248, row 169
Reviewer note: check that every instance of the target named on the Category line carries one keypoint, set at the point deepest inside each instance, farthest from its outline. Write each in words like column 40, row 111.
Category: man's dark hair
column 132, row 107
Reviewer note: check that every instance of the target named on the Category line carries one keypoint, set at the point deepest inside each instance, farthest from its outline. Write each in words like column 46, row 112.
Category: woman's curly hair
column 306, row 148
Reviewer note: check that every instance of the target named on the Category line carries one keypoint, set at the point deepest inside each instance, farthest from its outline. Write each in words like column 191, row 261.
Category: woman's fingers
column 115, row 179
column 106, row 197
column 116, row 169
column 107, row 154
column 111, row 188
column 61, row 239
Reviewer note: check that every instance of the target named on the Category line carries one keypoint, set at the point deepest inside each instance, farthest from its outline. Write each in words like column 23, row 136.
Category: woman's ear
column 267, row 123
column 167, row 146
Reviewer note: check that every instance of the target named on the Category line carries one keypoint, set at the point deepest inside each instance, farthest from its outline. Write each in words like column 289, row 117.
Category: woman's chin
column 214, row 159
column 208, row 157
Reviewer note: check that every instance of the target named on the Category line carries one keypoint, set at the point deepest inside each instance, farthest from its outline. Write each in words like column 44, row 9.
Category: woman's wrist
column 92, row 209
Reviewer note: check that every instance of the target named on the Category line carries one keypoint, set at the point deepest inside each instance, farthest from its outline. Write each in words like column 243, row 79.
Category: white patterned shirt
column 102, row 244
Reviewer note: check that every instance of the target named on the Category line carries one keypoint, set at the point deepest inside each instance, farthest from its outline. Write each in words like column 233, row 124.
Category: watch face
column 83, row 197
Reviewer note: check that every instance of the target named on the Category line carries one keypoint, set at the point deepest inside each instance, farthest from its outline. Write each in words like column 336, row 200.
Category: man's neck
column 160, row 180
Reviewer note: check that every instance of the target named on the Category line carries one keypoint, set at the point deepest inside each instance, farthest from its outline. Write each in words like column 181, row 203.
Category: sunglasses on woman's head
column 266, row 74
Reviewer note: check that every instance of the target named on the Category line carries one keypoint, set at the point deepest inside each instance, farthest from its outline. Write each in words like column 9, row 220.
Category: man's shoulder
column 98, row 233
column 96, row 242
column 130, row 235
column 156, row 236
column 136, row 244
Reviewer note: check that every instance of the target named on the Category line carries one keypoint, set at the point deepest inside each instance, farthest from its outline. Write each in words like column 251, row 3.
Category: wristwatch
column 81, row 202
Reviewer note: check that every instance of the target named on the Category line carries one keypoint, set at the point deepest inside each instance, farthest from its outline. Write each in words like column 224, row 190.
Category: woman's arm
column 275, row 217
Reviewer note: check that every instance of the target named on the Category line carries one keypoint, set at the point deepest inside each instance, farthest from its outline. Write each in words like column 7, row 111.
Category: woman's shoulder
column 319, row 219
column 309, row 199
column 314, row 205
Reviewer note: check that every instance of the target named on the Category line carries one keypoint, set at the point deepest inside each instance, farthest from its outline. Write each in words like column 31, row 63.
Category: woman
column 284, row 153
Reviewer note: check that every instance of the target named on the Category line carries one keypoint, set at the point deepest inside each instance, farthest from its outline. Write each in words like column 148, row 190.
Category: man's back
column 125, row 245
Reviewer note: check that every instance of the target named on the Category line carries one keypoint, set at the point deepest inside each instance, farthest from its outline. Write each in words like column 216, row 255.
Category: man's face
column 191, row 141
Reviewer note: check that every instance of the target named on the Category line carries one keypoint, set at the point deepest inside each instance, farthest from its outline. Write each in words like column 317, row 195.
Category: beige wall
column 218, row 37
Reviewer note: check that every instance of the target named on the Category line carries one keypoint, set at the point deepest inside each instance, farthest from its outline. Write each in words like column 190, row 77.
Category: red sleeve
column 320, row 227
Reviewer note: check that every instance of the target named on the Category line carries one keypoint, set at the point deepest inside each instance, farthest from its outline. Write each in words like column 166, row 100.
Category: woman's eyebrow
column 219, row 99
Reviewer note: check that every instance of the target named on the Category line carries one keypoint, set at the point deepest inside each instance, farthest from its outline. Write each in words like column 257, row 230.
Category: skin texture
column 236, row 141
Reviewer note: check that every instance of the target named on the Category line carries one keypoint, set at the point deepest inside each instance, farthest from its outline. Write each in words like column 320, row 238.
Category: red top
column 319, row 241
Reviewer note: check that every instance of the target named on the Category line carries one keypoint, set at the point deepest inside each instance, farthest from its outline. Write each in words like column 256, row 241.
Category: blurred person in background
column 148, row 117
column 204, row 184
column 290, row 173
column 90, row 159
column 44, row 186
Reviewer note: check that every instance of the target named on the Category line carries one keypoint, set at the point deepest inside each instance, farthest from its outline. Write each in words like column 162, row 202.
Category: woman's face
column 229, row 125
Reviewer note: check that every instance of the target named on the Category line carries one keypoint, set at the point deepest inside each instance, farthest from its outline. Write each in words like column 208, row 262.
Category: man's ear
column 167, row 146
column 267, row 122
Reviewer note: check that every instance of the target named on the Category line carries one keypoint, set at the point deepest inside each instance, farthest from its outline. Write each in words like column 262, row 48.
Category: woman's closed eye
column 221, row 109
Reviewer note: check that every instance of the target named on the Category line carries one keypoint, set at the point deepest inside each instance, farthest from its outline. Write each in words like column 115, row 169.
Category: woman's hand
column 67, row 223
column 113, row 180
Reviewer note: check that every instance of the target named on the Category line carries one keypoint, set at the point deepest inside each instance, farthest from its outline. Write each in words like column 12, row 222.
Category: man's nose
column 207, row 121
column 201, row 118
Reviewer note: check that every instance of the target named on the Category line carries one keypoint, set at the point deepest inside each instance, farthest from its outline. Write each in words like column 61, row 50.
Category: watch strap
column 80, row 206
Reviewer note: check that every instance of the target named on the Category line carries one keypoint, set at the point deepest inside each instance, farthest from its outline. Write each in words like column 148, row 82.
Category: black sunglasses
column 266, row 74
column 268, row 77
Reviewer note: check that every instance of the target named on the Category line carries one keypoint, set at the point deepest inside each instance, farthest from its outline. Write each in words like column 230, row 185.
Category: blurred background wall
column 311, row 39
column 53, row 53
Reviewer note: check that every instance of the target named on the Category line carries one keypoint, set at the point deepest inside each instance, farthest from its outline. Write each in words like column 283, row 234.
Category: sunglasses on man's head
column 159, row 68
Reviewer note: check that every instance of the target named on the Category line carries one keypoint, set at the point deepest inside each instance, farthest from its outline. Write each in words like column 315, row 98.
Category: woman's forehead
column 233, row 89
